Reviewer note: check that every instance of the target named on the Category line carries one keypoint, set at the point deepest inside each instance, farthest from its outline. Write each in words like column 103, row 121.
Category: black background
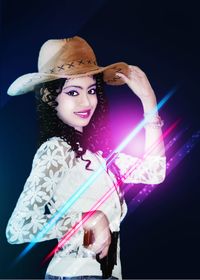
column 160, row 239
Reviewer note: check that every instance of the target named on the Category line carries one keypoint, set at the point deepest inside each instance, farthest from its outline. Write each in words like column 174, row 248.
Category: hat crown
column 66, row 53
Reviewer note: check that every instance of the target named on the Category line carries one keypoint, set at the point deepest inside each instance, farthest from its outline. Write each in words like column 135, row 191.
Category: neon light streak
column 91, row 179
column 171, row 164
column 149, row 188
column 142, row 123
column 153, row 146
column 80, row 223
column 105, row 197
column 183, row 151
column 62, row 211
column 174, row 139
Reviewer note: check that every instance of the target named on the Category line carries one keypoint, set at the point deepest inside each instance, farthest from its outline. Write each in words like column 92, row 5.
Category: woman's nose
column 85, row 100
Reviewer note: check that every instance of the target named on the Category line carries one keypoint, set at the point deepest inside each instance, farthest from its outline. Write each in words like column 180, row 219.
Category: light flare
column 91, row 179
column 171, row 164
column 80, row 223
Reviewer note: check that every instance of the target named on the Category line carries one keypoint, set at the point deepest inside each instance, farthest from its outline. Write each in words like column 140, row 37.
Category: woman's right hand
column 99, row 225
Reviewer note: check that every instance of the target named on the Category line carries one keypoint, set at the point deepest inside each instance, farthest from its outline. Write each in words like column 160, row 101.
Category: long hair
column 50, row 125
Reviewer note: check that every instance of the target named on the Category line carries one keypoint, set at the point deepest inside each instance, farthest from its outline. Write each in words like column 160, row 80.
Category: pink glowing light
column 80, row 223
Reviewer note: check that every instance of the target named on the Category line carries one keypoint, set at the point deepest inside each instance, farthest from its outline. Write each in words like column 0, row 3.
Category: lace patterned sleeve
column 29, row 216
column 151, row 170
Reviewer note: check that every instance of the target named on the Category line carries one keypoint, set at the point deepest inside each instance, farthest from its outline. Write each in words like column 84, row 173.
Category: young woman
column 75, row 142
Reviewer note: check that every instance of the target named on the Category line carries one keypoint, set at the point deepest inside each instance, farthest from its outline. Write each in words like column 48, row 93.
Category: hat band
column 74, row 67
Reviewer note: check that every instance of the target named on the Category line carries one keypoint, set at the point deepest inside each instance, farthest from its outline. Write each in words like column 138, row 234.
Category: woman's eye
column 72, row 93
column 92, row 91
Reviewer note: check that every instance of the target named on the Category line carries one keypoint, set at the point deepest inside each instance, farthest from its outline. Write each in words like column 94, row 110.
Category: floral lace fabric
column 28, row 218
column 150, row 170
column 38, row 203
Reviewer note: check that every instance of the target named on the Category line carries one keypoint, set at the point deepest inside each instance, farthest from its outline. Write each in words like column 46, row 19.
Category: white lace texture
column 28, row 217
column 51, row 162
column 151, row 170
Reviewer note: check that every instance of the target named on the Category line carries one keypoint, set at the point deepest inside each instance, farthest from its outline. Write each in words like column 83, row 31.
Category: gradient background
column 160, row 239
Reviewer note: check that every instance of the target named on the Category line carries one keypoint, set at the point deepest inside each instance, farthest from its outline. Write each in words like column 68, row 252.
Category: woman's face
column 77, row 102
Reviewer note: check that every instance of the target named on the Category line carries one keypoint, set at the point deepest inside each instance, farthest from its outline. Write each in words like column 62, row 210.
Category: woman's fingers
column 101, row 244
column 104, row 252
column 123, row 77
column 97, row 249
column 138, row 82
column 101, row 237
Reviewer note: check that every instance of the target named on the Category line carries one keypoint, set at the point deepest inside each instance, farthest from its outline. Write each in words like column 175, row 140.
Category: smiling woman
column 77, row 102
column 74, row 129
column 56, row 116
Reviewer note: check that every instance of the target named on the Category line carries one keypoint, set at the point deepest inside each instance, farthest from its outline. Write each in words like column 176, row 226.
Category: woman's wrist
column 151, row 116
column 149, row 104
column 153, row 121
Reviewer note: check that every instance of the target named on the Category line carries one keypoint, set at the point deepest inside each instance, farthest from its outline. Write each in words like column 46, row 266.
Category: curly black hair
column 50, row 125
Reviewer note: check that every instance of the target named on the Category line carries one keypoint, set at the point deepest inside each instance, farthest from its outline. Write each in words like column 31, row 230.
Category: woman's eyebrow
column 92, row 85
column 74, row 86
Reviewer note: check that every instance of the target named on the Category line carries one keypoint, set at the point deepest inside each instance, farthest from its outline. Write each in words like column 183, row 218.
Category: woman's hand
column 99, row 225
column 138, row 83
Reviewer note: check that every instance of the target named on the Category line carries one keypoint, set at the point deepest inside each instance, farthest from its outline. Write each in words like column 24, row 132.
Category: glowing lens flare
column 90, row 181
column 171, row 164
column 106, row 195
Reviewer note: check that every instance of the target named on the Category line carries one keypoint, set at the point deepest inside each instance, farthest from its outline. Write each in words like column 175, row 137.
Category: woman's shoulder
column 56, row 151
column 56, row 140
column 53, row 143
column 52, row 148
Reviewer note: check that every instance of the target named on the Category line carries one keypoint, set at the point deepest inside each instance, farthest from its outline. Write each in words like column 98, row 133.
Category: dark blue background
column 161, row 238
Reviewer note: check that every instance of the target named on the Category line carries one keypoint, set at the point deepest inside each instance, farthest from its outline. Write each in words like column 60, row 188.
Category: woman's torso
column 96, row 186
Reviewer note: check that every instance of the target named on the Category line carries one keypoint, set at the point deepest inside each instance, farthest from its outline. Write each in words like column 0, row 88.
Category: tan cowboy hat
column 66, row 58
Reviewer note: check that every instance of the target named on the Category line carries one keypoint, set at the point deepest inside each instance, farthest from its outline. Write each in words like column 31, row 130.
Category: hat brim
column 27, row 82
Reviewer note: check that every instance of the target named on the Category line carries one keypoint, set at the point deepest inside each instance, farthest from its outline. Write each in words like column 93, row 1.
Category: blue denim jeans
column 89, row 277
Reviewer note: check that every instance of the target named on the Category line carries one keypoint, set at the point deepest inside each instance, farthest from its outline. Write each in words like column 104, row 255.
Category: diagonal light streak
column 147, row 188
column 63, row 210
column 137, row 129
column 80, row 223
column 171, row 164
column 153, row 147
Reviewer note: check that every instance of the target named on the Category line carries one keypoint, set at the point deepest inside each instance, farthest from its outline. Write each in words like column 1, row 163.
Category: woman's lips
column 83, row 114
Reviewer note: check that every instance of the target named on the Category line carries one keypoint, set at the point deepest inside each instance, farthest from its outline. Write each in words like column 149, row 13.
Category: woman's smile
column 77, row 102
column 83, row 114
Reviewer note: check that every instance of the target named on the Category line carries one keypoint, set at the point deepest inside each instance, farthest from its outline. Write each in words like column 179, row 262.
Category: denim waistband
column 82, row 277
